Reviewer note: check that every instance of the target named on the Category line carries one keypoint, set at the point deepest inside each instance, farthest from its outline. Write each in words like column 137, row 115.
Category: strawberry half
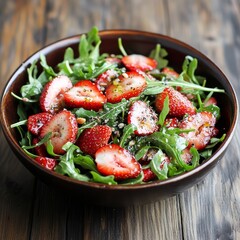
column 48, row 163
column 51, row 99
column 92, row 139
column 63, row 127
column 139, row 62
column 105, row 79
column 179, row 105
column 36, row 121
column 117, row 161
column 170, row 72
column 84, row 94
column 128, row 85
column 143, row 117
column 203, row 124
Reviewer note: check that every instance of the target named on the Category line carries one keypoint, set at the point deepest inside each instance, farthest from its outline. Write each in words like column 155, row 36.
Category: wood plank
column 209, row 209
column 21, row 32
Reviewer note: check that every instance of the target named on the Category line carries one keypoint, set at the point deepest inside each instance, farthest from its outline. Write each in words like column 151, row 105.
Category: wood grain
column 210, row 210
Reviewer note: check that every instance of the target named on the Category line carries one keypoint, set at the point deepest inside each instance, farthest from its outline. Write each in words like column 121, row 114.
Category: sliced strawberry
column 186, row 155
column 179, row 105
column 113, row 60
column 117, row 161
column 84, row 94
column 128, row 85
column 171, row 122
column 39, row 150
column 51, row 99
column 36, row 121
column 149, row 175
column 136, row 61
column 143, row 117
column 48, row 163
column 63, row 127
column 92, row 139
column 105, row 79
column 170, row 72
column 210, row 101
column 203, row 124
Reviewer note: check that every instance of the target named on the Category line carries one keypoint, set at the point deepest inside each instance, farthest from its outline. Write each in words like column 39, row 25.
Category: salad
column 117, row 119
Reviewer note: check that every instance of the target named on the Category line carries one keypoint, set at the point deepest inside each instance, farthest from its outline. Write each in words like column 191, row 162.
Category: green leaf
column 103, row 179
column 137, row 180
column 161, row 173
column 49, row 70
column 142, row 152
column 159, row 55
column 127, row 132
column 164, row 111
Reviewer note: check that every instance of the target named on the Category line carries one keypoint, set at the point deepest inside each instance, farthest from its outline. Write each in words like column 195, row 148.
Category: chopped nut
column 81, row 120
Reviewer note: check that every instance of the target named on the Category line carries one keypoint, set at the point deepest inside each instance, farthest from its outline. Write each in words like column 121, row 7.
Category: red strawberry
column 203, row 124
column 39, row 150
column 105, row 79
column 149, row 175
column 84, row 94
column 117, row 161
column 63, row 127
column 113, row 60
column 36, row 121
column 129, row 84
column 143, row 117
column 171, row 122
column 48, row 163
column 51, row 99
column 186, row 155
column 179, row 105
column 92, row 139
column 170, row 72
column 136, row 61
column 211, row 101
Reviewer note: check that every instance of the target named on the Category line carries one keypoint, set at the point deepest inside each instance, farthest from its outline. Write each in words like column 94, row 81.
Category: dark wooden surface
column 210, row 210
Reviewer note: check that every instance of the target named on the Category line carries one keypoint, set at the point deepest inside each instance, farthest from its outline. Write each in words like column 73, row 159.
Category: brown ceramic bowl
column 119, row 195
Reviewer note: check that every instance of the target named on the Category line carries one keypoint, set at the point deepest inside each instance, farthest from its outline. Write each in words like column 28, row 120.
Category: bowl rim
column 63, row 42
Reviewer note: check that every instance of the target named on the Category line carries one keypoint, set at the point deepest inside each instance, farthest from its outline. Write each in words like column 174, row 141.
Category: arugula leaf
column 137, row 180
column 155, row 165
column 159, row 55
column 66, row 165
column 164, row 112
column 127, row 132
column 103, row 179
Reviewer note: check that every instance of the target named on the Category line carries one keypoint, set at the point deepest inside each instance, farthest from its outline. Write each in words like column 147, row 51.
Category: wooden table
column 31, row 210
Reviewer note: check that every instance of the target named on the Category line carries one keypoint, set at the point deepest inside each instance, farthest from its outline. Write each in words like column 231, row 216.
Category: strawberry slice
column 140, row 62
column 36, row 121
column 179, row 105
column 210, row 101
column 39, row 150
column 92, row 139
column 105, row 79
column 203, row 124
column 48, row 163
column 117, row 161
column 170, row 72
column 84, row 94
column 51, row 99
column 143, row 117
column 63, row 127
column 128, row 85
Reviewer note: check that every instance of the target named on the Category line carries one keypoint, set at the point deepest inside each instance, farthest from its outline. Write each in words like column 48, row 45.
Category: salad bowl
column 135, row 42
